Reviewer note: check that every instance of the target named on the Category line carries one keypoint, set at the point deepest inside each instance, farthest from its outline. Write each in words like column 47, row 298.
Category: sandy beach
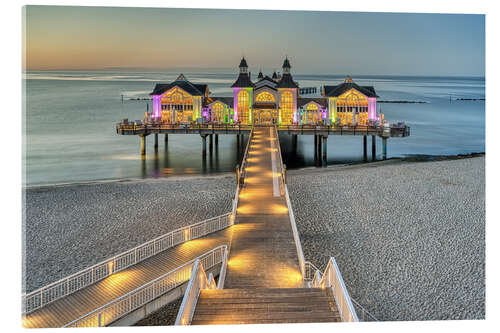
column 408, row 237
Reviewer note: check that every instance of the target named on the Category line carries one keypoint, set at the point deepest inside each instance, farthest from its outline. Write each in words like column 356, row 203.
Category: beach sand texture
column 408, row 237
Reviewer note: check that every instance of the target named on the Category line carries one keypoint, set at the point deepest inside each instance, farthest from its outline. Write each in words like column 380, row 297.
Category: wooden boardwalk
column 263, row 282
column 73, row 306
column 262, row 227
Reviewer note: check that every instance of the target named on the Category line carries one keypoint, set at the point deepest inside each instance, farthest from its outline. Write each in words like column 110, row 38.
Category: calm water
column 70, row 125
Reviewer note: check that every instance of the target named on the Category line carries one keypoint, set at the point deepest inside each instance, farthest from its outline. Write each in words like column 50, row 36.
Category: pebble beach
column 408, row 237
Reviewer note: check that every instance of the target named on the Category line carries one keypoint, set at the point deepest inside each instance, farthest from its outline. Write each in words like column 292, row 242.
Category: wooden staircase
column 265, row 306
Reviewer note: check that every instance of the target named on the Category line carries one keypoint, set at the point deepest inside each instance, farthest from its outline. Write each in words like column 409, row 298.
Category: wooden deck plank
column 71, row 307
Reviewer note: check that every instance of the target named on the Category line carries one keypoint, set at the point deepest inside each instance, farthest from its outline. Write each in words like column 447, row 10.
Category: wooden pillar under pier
column 365, row 152
column 204, row 145
column 156, row 141
column 216, row 139
column 211, row 142
column 143, row 144
column 384, row 148
column 319, row 146
column 166, row 138
column 238, row 140
column 325, row 147
column 294, row 142
column 374, row 149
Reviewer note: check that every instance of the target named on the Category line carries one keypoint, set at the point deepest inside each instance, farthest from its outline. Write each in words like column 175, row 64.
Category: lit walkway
column 263, row 282
column 73, row 306
column 263, row 252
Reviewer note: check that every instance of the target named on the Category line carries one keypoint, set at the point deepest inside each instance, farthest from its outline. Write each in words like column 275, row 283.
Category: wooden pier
column 321, row 133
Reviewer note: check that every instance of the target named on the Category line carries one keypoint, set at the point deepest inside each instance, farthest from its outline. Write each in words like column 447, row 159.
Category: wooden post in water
column 204, row 145
column 319, row 147
column 365, row 152
column 374, row 149
column 211, row 142
column 156, row 141
column 143, row 144
column 325, row 146
column 166, row 138
column 294, row 142
column 216, row 139
column 384, row 148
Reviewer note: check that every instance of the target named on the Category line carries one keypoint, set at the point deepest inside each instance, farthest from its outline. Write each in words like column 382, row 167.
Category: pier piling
column 166, row 138
column 204, row 145
column 143, row 144
column 325, row 146
column 156, row 142
column 384, row 148
column 365, row 153
column 294, row 142
column 216, row 139
column 210, row 142
column 374, row 149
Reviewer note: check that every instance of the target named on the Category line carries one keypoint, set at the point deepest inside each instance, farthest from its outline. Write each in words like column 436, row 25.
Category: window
column 287, row 107
column 179, row 101
column 243, row 107
column 264, row 97
column 218, row 112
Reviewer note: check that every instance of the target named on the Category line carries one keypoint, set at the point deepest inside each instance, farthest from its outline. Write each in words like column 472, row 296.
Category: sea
column 69, row 120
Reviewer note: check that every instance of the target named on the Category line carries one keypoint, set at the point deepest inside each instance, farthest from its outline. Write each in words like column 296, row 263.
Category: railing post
column 99, row 319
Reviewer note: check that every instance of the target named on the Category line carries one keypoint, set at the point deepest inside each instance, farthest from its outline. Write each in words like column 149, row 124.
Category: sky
column 86, row 38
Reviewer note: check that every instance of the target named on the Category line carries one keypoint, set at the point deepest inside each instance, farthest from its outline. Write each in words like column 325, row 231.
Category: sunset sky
column 316, row 42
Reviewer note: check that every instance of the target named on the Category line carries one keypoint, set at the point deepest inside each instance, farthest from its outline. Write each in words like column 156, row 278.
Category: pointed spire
column 348, row 79
column 275, row 76
column 260, row 76
column 181, row 77
column 243, row 63
column 286, row 63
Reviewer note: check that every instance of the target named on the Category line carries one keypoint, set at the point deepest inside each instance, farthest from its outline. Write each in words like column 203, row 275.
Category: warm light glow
column 110, row 267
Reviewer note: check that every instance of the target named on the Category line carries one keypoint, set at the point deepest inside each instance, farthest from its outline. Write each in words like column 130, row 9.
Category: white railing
column 68, row 285
column 198, row 282
column 146, row 293
column 242, row 170
column 300, row 253
column 363, row 314
column 332, row 278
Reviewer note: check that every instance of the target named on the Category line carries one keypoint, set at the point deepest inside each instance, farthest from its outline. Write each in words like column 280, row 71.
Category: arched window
column 243, row 106
column 264, row 97
column 218, row 112
column 312, row 114
column 178, row 102
column 287, row 108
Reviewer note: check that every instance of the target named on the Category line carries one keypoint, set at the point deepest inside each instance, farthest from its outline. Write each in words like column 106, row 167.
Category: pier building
column 269, row 100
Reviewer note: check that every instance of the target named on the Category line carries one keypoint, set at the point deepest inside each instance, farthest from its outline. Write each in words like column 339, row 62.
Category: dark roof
column 243, row 81
column 226, row 100
column 335, row 91
column 286, row 63
column 190, row 88
column 243, row 63
column 287, row 82
column 301, row 101
column 260, row 76
column 266, row 81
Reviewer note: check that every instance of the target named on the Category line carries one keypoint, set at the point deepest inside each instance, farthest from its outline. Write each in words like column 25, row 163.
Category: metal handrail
column 363, row 314
column 84, row 278
column 243, row 166
column 144, row 294
column 198, row 282
column 332, row 278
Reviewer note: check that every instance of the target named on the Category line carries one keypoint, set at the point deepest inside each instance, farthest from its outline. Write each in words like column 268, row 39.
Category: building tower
column 288, row 91
column 243, row 95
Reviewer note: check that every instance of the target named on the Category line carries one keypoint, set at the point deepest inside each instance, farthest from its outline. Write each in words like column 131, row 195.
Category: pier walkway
column 264, row 283
column 78, row 304
column 263, row 276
